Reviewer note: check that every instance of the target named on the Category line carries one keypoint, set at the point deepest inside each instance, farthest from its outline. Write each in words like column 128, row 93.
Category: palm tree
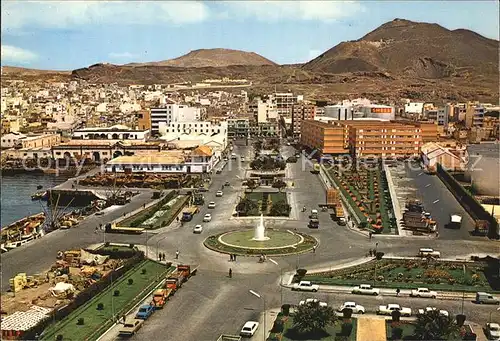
column 432, row 325
column 311, row 318
column 251, row 184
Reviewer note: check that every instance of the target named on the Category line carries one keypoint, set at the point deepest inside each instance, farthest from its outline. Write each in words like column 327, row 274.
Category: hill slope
column 407, row 48
column 213, row 58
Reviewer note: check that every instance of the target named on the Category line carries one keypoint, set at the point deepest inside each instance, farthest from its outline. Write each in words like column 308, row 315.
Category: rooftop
column 164, row 158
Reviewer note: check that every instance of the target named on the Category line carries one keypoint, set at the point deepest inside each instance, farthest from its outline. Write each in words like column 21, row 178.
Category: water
column 16, row 195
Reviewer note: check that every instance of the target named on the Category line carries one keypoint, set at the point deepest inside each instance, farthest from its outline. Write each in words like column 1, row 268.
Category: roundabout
column 260, row 241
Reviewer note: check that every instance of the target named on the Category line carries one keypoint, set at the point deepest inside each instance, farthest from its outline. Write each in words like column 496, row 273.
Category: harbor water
column 16, row 191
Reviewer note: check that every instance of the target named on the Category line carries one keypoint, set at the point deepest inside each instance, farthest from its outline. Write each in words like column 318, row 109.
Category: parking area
column 411, row 182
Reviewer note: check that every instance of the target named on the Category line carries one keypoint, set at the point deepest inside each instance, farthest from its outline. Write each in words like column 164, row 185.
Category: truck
column 305, row 286
column 313, row 223
column 389, row 308
column 455, row 221
column 188, row 213
column 160, row 297
column 179, row 276
column 332, row 197
column 419, row 221
column 314, row 214
column 423, row 292
column 414, row 205
column 339, row 211
column 198, row 199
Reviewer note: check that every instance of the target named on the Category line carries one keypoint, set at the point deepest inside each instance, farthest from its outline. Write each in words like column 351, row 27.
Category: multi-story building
column 196, row 127
column 40, row 141
column 378, row 111
column 262, row 111
column 238, row 127
column 174, row 113
column 284, row 102
column 326, row 138
column 339, row 112
column 11, row 139
column 117, row 132
column 144, row 119
column 438, row 115
column 365, row 138
column 474, row 116
column 414, row 109
column 301, row 112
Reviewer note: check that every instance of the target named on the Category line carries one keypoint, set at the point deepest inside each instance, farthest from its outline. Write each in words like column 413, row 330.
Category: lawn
column 410, row 274
column 157, row 216
column 265, row 201
column 97, row 321
column 328, row 335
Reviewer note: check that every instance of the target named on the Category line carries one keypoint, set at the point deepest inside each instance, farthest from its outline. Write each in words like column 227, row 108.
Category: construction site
column 75, row 277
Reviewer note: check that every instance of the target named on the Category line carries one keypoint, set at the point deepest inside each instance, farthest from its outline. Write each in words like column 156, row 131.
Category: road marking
column 420, row 173
column 427, row 185
column 435, row 201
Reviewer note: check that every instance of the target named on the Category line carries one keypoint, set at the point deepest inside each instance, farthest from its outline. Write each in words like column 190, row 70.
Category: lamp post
column 256, row 294
column 281, row 279
column 146, row 243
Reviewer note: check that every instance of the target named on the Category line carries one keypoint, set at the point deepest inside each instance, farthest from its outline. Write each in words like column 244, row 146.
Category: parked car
column 313, row 300
column 365, row 289
column 249, row 328
column 211, row 204
column 219, row 194
column 198, row 229
column 145, row 312
column 423, row 292
column 242, row 159
column 493, row 331
column 207, row 218
column 130, row 327
column 485, row 298
column 428, row 252
column 227, row 183
column 356, row 308
column 305, row 286
column 427, row 309
column 389, row 308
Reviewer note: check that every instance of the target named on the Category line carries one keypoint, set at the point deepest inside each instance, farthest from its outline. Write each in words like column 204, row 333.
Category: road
column 211, row 303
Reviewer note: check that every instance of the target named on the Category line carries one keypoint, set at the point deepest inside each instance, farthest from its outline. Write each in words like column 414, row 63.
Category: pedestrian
column 234, row 257
column 159, row 256
column 314, row 249
column 144, row 205
column 100, row 226
column 230, row 257
column 177, row 254
column 230, row 273
column 437, row 234
column 397, row 291
column 177, row 218
column 96, row 229
column 164, row 256
column 370, row 234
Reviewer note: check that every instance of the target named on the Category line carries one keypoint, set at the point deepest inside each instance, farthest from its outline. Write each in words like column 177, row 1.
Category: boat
column 22, row 230
column 40, row 196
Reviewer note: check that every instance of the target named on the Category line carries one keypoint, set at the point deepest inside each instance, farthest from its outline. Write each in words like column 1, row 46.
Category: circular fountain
column 260, row 240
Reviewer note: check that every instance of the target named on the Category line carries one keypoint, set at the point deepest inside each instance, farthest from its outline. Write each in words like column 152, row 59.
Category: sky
column 66, row 35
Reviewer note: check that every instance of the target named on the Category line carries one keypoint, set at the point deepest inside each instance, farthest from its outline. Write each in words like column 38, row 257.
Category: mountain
column 212, row 58
column 412, row 49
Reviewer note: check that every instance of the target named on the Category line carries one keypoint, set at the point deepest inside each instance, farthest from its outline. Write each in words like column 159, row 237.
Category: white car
column 211, row 204
column 356, row 308
column 313, row 300
column 249, row 328
column 207, row 218
column 493, row 331
column 389, row 308
column 198, row 229
column 305, row 286
column 365, row 289
column 219, row 194
column 423, row 292
column 428, row 309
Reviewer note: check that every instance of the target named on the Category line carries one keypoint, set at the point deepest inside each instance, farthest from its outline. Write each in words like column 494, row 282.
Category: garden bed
column 95, row 321
column 366, row 191
column 410, row 274
column 262, row 203
column 159, row 215
column 330, row 334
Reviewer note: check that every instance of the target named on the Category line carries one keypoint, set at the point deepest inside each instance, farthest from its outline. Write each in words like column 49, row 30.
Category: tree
column 311, row 317
column 432, row 325
column 280, row 209
column 245, row 206
column 256, row 164
column 279, row 184
column 252, row 184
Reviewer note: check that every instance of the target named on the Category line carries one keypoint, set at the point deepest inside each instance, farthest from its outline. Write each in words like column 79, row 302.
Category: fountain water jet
column 259, row 233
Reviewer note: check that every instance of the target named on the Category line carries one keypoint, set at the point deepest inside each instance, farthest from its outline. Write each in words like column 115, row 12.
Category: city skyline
column 65, row 36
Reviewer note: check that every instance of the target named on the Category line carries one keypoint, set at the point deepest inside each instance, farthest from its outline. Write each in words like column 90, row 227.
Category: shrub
column 379, row 255
column 106, row 244
column 285, row 308
column 59, row 337
column 143, row 271
column 301, row 272
column 130, row 281
column 346, row 329
column 80, row 321
column 347, row 313
column 397, row 333
column 100, row 306
column 116, row 293
column 131, row 246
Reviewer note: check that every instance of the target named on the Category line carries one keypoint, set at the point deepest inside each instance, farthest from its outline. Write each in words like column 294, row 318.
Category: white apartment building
column 12, row 139
column 338, row 112
column 171, row 113
column 414, row 108
column 285, row 101
column 116, row 132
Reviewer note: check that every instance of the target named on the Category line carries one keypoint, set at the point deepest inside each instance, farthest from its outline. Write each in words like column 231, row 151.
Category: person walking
column 96, row 229
column 314, row 249
column 397, row 291
column 234, row 257
column 177, row 254
column 370, row 235
column 230, row 273
column 230, row 257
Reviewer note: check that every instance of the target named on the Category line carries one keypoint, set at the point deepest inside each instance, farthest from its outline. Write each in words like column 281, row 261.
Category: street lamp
column 281, row 279
column 256, row 294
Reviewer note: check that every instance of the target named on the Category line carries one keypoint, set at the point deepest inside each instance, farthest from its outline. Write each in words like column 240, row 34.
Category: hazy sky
column 71, row 34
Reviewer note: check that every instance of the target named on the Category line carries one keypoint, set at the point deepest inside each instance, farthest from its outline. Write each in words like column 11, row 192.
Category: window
column 58, row 153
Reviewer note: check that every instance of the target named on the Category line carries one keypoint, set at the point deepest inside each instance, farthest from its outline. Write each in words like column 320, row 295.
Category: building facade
column 474, row 116
column 339, row 112
column 301, row 112
column 170, row 113
column 111, row 133
column 326, row 138
column 238, row 127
